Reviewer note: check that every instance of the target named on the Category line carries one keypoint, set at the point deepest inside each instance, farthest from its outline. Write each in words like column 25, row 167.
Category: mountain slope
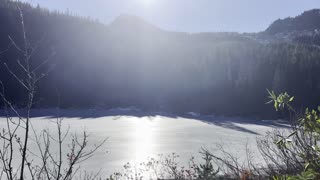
column 307, row 21
column 304, row 28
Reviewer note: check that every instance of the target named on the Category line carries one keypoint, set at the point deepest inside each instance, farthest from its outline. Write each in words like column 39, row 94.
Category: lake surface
column 134, row 136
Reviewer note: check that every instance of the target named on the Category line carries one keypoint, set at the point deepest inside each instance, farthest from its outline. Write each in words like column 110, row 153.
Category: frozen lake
column 133, row 136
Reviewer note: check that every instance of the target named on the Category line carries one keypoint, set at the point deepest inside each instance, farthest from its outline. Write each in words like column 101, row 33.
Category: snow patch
column 124, row 109
column 194, row 114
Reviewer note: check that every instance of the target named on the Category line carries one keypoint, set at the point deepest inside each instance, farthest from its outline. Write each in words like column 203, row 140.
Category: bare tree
column 52, row 165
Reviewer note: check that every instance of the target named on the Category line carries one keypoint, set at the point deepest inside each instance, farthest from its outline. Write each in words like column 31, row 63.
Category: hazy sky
column 189, row 15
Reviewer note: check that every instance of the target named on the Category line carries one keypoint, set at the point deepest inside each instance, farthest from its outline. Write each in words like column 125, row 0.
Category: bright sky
column 189, row 15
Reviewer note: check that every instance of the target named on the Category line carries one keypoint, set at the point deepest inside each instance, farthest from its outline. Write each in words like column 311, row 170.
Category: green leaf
column 289, row 140
column 291, row 99
column 306, row 166
column 292, row 134
column 269, row 102
column 279, row 142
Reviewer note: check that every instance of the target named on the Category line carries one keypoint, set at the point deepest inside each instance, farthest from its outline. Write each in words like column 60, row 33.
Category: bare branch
column 16, row 77
column 15, row 45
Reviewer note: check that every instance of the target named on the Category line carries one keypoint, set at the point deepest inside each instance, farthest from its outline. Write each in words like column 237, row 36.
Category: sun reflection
column 143, row 139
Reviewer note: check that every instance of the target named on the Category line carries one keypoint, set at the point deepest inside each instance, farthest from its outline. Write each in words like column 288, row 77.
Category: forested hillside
column 304, row 28
column 133, row 63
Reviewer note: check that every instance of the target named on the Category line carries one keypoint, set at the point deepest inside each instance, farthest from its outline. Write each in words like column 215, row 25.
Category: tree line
column 132, row 63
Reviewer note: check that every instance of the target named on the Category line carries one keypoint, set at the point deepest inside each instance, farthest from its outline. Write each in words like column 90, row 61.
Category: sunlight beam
column 146, row 3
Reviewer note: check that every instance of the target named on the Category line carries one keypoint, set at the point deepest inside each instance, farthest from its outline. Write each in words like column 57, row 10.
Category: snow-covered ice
column 133, row 136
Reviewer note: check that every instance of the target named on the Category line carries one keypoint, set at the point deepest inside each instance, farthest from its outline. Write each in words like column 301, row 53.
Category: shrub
column 297, row 153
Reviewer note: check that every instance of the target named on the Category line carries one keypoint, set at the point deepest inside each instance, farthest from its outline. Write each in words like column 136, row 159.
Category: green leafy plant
column 281, row 101
column 206, row 170
column 304, row 138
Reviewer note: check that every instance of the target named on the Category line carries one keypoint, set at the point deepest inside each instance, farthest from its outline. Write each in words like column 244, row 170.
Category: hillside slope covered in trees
column 130, row 62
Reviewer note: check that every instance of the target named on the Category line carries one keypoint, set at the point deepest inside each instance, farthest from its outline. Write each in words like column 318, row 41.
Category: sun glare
column 147, row 3
column 143, row 138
